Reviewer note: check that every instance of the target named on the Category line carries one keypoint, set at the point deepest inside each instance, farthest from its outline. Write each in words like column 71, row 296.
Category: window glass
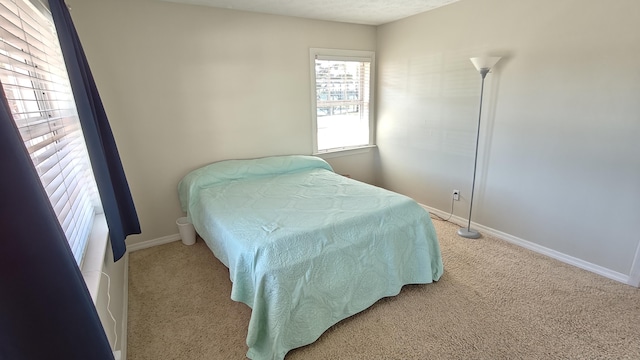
column 342, row 84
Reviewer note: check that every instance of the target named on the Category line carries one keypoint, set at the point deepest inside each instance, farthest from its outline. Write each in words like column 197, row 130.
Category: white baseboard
column 567, row 259
column 153, row 242
column 634, row 278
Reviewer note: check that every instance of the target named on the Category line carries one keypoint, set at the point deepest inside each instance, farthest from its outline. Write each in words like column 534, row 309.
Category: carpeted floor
column 495, row 301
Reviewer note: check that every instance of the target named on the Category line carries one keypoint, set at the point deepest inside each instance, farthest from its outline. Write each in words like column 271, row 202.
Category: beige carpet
column 495, row 301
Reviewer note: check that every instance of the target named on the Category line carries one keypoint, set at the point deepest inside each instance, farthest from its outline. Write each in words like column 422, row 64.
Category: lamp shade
column 485, row 62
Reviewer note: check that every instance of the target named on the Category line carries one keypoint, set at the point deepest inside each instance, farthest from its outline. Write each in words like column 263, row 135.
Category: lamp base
column 468, row 233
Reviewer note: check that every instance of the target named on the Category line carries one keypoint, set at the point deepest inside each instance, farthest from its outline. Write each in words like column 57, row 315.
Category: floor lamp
column 484, row 65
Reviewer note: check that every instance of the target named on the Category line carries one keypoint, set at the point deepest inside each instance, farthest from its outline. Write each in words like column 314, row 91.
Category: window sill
column 344, row 152
column 94, row 256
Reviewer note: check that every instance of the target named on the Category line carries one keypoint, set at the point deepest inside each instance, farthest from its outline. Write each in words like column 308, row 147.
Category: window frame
column 341, row 55
column 31, row 53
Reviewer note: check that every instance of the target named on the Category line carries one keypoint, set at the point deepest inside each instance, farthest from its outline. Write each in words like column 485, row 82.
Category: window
column 34, row 77
column 342, row 88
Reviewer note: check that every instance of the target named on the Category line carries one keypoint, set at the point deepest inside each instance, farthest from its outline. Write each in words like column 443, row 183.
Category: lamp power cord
column 440, row 218
column 115, row 323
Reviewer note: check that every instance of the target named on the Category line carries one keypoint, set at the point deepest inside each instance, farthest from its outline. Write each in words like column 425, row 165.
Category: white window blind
column 35, row 82
column 342, row 100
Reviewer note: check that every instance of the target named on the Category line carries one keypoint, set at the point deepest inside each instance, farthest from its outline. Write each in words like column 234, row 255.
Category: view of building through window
column 342, row 103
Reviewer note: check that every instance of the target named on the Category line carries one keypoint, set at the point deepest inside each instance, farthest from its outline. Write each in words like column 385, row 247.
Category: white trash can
column 187, row 231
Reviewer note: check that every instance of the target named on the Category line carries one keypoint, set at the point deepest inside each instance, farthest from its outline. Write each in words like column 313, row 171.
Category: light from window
column 35, row 81
column 342, row 86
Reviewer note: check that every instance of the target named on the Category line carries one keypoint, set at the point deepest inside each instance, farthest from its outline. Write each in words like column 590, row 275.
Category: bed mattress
column 306, row 247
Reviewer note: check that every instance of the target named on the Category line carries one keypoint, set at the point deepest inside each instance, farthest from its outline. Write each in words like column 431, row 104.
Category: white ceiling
column 370, row 12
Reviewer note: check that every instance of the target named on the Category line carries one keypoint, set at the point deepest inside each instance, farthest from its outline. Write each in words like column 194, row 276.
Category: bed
column 306, row 247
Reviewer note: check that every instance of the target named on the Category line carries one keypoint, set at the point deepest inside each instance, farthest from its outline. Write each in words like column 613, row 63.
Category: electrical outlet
column 456, row 195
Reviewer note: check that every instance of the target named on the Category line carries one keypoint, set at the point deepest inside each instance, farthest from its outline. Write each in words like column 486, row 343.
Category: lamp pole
column 483, row 65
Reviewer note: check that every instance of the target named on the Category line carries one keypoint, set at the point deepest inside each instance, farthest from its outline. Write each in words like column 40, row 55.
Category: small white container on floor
column 187, row 231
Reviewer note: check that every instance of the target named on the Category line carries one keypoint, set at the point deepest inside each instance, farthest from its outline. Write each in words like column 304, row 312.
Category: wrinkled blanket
column 306, row 247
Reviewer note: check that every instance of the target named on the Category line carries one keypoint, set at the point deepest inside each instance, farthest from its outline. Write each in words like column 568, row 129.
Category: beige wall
column 559, row 160
column 184, row 86
column 187, row 85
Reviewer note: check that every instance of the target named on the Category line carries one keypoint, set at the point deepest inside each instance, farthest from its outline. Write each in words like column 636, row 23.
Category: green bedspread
column 306, row 247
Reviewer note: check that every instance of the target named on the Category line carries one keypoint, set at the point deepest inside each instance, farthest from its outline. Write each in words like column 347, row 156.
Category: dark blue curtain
column 46, row 311
column 112, row 184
